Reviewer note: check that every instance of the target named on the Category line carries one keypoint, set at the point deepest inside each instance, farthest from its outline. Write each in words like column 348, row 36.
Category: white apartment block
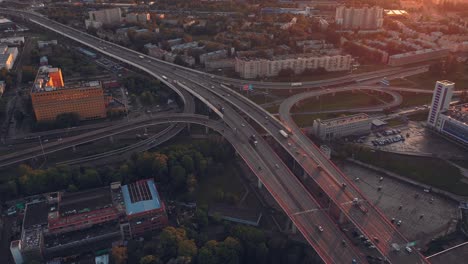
column 253, row 68
column 329, row 129
column 417, row 56
column 365, row 18
column 214, row 55
column 440, row 101
column 104, row 17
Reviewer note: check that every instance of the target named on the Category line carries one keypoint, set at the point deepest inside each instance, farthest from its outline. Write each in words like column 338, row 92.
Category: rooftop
column 5, row 21
column 344, row 120
column 140, row 196
column 85, row 201
column 35, row 214
column 459, row 112
column 236, row 214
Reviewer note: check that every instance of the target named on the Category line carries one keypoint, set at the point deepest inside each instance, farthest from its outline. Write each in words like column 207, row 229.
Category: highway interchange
column 285, row 187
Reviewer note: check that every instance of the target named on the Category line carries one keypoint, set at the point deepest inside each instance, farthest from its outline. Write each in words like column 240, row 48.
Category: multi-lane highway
column 289, row 192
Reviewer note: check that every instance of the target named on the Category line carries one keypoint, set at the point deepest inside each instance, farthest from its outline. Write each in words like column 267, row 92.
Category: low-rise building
column 253, row 68
column 185, row 46
column 63, row 223
column 417, row 56
column 140, row 18
column 220, row 64
column 98, row 18
column 155, row 51
column 13, row 41
column 2, row 88
column 329, row 129
column 214, row 55
column 7, row 56
column 42, row 43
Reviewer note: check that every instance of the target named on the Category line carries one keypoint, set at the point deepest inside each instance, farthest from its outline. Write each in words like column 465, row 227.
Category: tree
column 149, row 259
column 119, row 254
column 187, row 163
column 178, row 177
column 67, row 120
column 187, row 248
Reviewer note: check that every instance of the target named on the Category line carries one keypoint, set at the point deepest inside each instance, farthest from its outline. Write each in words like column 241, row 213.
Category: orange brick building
column 50, row 97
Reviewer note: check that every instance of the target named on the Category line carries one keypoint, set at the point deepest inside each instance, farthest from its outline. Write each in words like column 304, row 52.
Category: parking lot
column 417, row 139
column 423, row 215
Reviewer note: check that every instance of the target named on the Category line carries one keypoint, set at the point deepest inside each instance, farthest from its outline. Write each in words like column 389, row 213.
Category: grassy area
column 228, row 182
column 414, row 99
column 395, row 122
column 432, row 171
column 418, row 116
column 341, row 101
column 273, row 109
column 308, row 77
column 427, row 80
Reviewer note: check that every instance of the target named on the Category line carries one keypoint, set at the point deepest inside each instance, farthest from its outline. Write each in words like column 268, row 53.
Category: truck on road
column 295, row 84
column 284, row 134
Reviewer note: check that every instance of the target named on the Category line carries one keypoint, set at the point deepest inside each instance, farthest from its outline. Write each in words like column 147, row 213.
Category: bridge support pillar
column 259, row 184
column 188, row 128
column 341, row 218
column 74, row 148
column 111, row 139
column 290, row 227
column 146, row 130
column 317, row 97
column 207, row 130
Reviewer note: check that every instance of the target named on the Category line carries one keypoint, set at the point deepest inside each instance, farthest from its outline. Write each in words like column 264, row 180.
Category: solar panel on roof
column 139, row 192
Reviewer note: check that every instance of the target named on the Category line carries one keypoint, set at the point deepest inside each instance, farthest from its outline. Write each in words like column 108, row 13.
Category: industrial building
column 365, row 18
column 51, row 97
column 62, row 223
column 253, row 68
column 329, row 129
column 7, row 56
column 449, row 121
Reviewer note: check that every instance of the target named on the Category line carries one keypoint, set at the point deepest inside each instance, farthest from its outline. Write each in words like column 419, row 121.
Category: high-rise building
column 50, row 97
column 366, row 18
column 450, row 121
column 104, row 17
column 440, row 101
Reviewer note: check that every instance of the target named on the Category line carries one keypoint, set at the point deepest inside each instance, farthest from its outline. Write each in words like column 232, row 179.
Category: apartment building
column 417, row 56
column 50, row 97
column 253, row 68
column 104, row 17
column 365, row 18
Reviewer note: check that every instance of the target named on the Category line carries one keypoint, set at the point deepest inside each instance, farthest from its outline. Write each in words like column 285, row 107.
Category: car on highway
column 320, row 228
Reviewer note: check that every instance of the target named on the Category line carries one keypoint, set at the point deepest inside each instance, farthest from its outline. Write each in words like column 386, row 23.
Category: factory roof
column 140, row 196
column 344, row 120
column 35, row 214
column 85, row 201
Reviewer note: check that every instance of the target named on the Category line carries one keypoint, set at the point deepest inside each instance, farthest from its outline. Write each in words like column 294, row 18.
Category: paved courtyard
column 438, row 214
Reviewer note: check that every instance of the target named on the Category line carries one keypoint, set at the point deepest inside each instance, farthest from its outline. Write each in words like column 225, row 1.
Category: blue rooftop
column 140, row 196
